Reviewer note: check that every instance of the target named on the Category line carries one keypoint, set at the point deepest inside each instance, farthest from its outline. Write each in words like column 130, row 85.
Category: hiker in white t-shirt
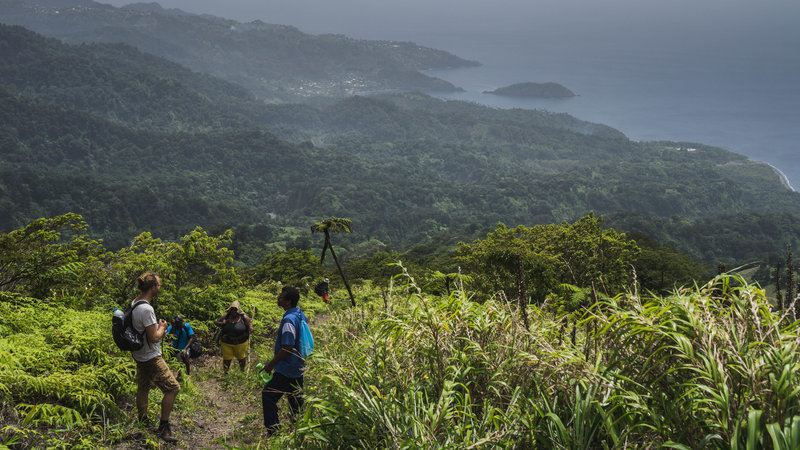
column 151, row 370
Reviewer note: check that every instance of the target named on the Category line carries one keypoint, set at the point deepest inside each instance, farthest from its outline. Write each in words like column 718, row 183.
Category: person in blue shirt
column 287, row 364
column 183, row 338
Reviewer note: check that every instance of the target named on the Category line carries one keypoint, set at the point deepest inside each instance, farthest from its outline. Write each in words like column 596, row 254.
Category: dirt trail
column 214, row 411
column 227, row 412
column 225, row 418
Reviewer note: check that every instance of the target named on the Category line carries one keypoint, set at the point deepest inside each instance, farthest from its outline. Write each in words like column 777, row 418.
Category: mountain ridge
column 275, row 62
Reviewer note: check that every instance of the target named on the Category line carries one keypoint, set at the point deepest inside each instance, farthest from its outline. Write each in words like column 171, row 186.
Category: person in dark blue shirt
column 287, row 364
column 183, row 336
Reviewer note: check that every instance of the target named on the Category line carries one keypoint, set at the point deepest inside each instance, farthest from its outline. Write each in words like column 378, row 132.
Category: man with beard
column 151, row 370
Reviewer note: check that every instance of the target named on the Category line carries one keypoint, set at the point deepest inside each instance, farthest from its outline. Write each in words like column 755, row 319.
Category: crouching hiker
column 287, row 364
column 151, row 370
column 183, row 338
column 321, row 289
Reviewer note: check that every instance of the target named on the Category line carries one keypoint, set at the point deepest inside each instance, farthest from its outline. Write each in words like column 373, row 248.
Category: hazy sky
column 380, row 19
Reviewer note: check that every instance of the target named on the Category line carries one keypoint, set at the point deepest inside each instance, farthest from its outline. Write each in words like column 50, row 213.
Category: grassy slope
column 443, row 371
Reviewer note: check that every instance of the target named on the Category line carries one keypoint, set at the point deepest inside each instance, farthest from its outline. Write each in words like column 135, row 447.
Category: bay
column 744, row 102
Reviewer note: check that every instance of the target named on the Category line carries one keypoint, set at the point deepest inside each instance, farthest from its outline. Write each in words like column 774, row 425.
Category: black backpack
column 321, row 288
column 196, row 346
column 125, row 336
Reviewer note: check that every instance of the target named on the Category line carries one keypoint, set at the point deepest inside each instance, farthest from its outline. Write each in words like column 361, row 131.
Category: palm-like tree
column 334, row 225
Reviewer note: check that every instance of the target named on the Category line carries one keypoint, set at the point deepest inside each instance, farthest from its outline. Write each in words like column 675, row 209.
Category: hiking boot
column 165, row 433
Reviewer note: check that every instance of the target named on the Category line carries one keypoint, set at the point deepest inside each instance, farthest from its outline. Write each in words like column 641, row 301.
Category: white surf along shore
column 783, row 177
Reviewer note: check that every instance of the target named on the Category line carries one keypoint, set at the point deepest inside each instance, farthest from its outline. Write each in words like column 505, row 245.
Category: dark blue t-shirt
column 289, row 334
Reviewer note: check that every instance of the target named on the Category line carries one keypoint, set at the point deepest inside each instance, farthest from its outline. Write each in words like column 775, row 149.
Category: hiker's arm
column 249, row 323
column 282, row 353
column 156, row 331
column 221, row 320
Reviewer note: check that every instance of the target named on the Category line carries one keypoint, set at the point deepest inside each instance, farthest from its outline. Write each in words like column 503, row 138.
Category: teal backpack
column 306, row 344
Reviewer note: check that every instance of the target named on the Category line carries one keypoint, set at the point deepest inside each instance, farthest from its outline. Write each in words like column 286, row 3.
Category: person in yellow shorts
column 236, row 329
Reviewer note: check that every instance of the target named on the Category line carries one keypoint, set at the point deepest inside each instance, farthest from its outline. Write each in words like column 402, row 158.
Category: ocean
column 746, row 103
column 717, row 72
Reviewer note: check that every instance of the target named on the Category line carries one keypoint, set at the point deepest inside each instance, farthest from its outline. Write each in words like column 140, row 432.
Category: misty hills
column 137, row 143
column 120, row 83
column 273, row 61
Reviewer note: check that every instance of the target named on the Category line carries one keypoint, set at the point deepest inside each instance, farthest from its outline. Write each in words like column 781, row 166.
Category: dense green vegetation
column 710, row 368
column 136, row 143
column 417, row 362
column 506, row 278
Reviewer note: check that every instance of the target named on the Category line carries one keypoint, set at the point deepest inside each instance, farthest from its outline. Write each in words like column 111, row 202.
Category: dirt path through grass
column 228, row 410
column 213, row 410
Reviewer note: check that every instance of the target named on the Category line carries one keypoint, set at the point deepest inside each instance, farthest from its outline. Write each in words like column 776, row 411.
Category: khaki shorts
column 238, row 351
column 155, row 373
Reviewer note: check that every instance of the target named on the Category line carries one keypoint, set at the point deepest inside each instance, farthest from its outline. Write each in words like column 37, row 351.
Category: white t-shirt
column 144, row 316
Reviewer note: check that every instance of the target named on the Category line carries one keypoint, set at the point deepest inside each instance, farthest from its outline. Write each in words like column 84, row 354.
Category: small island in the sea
column 539, row 90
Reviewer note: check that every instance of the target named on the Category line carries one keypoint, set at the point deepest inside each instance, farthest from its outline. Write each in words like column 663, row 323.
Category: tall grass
column 709, row 367
column 697, row 365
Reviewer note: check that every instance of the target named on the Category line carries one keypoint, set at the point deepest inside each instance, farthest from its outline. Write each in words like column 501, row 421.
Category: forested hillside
column 111, row 132
column 276, row 62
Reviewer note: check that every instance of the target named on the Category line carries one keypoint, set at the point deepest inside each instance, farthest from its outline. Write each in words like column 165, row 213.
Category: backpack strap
column 300, row 321
column 128, row 321
column 129, row 314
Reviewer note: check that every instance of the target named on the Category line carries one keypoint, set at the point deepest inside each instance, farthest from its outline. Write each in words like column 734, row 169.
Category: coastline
column 742, row 113
column 783, row 177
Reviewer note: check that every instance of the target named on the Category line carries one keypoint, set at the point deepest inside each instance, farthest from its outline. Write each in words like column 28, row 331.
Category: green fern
column 46, row 414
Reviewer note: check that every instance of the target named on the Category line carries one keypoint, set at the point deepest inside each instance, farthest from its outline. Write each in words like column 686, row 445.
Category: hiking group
column 140, row 332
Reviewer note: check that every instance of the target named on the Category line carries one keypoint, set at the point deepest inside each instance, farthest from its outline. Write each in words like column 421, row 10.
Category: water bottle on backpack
column 119, row 317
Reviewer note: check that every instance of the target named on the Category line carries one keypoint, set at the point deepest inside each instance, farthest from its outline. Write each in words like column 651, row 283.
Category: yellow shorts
column 238, row 351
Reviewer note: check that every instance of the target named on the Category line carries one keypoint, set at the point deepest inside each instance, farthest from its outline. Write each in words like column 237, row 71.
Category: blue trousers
column 273, row 391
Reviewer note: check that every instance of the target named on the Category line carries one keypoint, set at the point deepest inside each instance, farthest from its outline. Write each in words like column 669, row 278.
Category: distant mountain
column 538, row 90
column 119, row 83
column 273, row 61
column 135, row 143
column 122, row 84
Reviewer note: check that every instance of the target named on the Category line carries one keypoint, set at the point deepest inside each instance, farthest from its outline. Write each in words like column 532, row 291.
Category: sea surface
column 744, row 101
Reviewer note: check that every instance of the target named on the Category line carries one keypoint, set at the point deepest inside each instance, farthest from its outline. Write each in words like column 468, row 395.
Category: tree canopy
column 528, row 263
